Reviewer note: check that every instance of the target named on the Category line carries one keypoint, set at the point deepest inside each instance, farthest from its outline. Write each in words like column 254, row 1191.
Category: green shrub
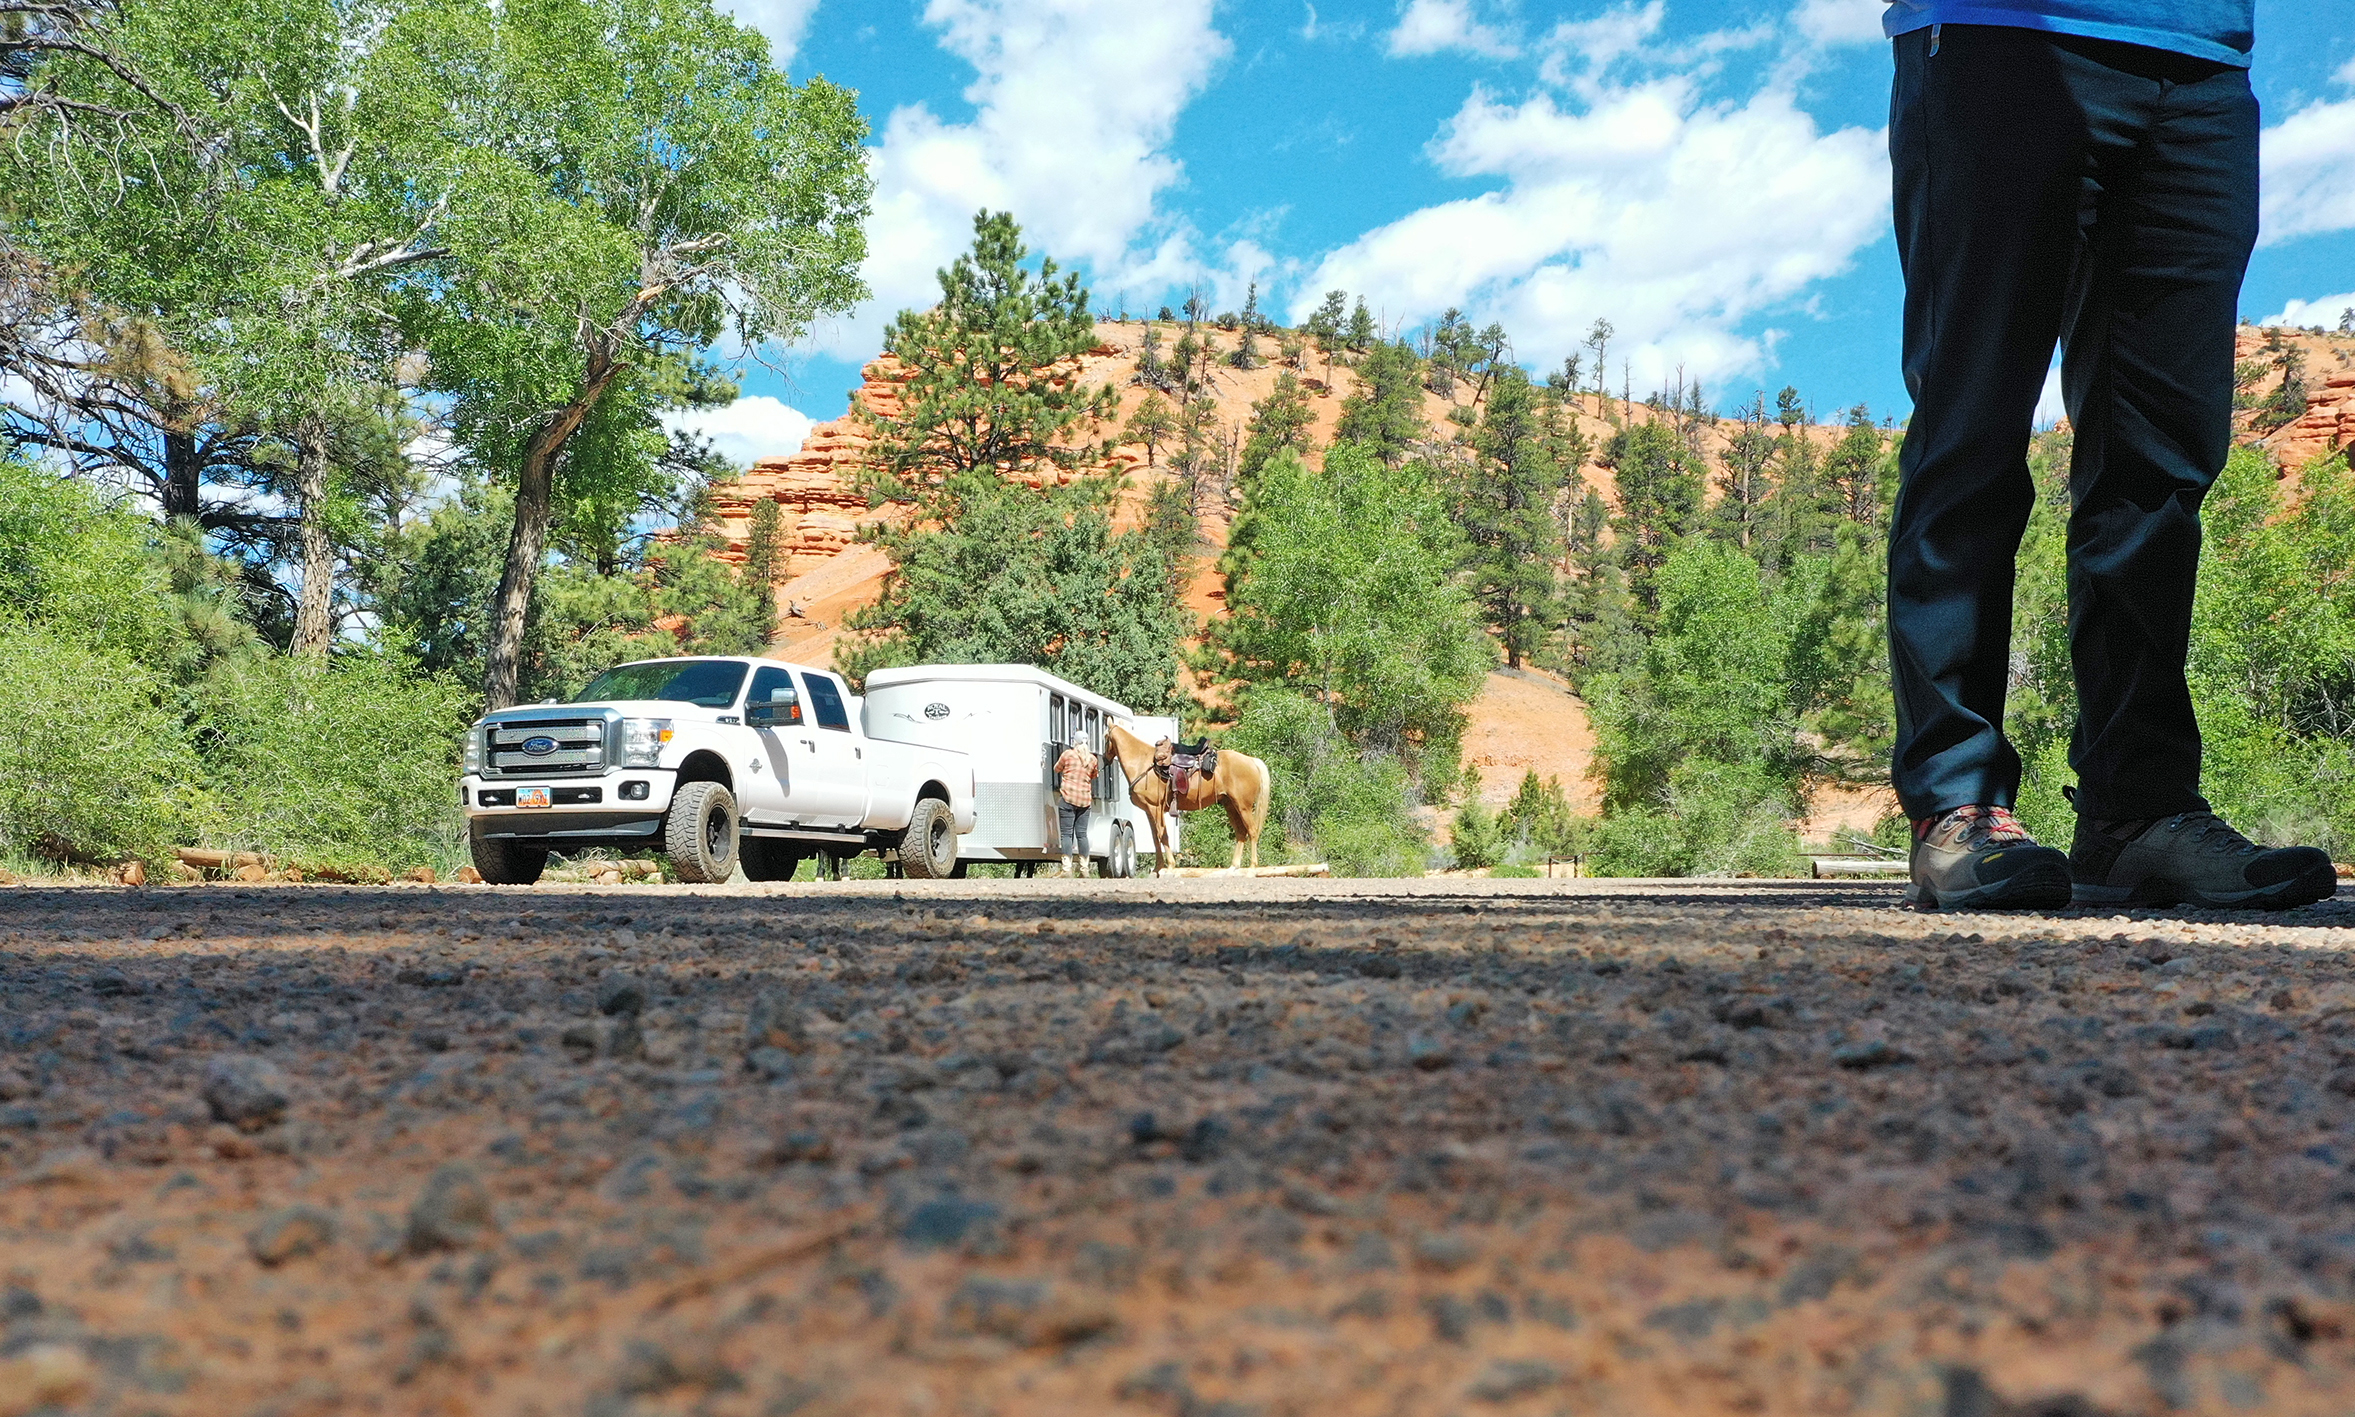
column 1719, row 820
column 1476, row 835
column 95, row 762
column 1332, row 802
column 354, row 763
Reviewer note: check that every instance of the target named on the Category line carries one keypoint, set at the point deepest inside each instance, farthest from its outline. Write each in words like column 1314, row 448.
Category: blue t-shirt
column 2222, row 30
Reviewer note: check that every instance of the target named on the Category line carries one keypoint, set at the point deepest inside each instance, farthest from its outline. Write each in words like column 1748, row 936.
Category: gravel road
column 1200, row 1148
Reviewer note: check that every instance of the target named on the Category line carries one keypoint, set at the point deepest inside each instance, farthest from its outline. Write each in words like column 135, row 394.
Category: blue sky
column 1709, row 176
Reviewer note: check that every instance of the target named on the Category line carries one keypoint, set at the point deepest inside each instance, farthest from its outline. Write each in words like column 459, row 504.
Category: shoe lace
column 1986, row 825
column 2205, row 826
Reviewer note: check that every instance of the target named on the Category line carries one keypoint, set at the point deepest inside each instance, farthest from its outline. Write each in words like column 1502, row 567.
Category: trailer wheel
column 1121, row 864
column 504, row 863
column 928, row 848
column 701, row 833
column 766, row 860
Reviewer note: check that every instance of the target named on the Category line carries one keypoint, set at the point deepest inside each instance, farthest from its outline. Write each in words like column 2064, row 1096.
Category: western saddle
column 1178, row 762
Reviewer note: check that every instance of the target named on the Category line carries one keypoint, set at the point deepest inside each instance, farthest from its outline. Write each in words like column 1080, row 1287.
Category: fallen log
column 204, row 858
column 1827, row 867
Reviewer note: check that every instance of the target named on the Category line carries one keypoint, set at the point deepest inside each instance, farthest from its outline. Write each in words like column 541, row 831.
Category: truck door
column 772, row 710
column 834, row 793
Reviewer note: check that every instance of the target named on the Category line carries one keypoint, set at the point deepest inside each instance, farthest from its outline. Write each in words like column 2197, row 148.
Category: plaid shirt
column 1077, row 768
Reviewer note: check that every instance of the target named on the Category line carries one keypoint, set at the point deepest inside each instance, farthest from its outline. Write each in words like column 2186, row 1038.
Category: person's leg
column 1987, row 146
column 2148, row 379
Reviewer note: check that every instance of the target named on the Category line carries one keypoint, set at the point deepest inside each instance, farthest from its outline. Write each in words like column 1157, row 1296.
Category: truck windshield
column 707, row 683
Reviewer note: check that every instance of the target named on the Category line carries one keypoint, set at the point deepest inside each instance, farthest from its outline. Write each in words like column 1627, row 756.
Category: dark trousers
column 1072, row 824
column 2103, row 196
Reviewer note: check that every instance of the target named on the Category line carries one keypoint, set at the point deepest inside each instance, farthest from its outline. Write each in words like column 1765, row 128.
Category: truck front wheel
column 928, row 848
column 701, row 832
column 504, row 863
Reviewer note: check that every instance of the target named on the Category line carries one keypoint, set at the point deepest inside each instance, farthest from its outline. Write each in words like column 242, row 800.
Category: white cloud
column 2323, row 310
column 747, row 430
column 1674, row 218
column 1076, row 103
column 1441, row 26
column 783, row 21
column 1840, row 21
column 2308, row 170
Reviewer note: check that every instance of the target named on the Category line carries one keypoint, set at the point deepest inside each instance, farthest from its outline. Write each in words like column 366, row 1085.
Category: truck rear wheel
column 928, row 848
column 505, row 863
column 701, row 832
column 769, row 860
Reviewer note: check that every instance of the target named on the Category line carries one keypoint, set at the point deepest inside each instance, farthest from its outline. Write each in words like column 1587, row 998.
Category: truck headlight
column 473, row 752
column 642, row 740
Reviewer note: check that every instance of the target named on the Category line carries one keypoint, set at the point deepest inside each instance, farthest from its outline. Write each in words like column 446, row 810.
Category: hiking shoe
column 1982, row 858
column 2193, row 858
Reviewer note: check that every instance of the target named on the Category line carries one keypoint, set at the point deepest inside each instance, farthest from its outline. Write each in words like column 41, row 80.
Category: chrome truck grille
column 545, row 747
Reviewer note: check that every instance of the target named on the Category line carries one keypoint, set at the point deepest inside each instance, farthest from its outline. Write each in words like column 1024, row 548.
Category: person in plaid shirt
column 1076, row 772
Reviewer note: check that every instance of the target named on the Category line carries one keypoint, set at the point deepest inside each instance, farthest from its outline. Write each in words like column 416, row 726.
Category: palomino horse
column 1240, row 784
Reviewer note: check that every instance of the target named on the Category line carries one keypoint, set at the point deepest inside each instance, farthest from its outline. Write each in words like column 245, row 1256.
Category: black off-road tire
column 701, row 833
column 928, row 848
column 770, row 860
column 505, row 863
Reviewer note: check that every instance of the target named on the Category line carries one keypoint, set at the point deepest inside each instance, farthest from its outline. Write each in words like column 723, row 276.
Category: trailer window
column 826, row 703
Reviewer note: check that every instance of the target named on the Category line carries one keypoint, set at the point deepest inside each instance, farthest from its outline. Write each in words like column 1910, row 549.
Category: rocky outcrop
column 816, row 488
column 2328, row 424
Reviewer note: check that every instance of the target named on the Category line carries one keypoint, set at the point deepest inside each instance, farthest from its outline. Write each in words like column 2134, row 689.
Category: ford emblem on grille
column 936, row 711
column 539, row 747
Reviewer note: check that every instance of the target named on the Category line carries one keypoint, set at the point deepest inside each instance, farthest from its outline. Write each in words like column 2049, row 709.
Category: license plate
column 531, row 796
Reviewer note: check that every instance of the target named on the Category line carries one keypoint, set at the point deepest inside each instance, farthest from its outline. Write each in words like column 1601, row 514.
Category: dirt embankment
column 1184, row 1148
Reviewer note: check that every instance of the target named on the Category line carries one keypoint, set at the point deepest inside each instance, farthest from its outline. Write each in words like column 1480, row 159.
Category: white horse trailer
column 1015, row 720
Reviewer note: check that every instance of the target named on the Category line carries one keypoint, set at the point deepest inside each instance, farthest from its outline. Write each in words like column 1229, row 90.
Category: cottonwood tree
column 642, row 182
column 240, row 293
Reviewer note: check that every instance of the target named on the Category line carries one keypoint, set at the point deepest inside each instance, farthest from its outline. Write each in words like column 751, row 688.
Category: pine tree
column 981, row 398
column 1246, row 354
column 1506, row 509
column 1153, row 368
column 1659, row 501
column 1802, row 513
column 1362, row 333
column 1279, row 422
column 1386, row 412
column 1251, row 319
column 1598, row 339
column 1326, row 323
column 1854, row 468
column 1789, row 410
column 763, row 558
column 1747, row 479
column 1151, row 425
column 1028, row 577
column 1564, row 381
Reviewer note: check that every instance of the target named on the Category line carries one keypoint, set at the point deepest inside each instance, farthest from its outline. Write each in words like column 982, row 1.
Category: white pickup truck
column 718, row 761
